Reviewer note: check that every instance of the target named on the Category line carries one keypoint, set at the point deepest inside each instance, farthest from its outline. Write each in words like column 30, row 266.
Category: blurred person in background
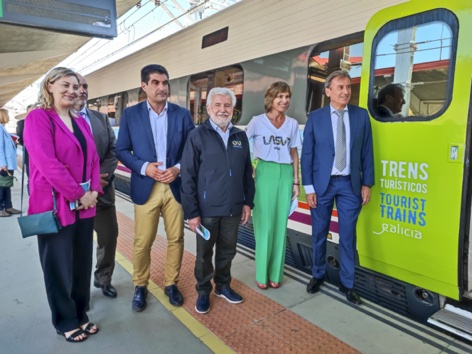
column 20, row 127
column 8, row 164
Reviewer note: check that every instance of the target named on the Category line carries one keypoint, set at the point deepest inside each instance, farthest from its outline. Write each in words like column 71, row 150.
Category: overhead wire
column 123, row 31
column 144, row 36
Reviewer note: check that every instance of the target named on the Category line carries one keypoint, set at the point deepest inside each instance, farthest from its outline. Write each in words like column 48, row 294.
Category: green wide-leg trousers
column 274, row 183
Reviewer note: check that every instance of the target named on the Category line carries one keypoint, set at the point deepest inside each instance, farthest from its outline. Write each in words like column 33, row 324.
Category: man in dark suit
column 105, row 223
column 391, row 99
column 150, row 143
column 20, row 127
column 337, row 165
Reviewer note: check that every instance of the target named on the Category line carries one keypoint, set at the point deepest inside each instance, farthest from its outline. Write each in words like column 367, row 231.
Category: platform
column 284, row 320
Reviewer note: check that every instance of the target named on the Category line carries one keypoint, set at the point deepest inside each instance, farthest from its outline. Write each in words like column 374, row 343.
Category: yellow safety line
column 211, row 340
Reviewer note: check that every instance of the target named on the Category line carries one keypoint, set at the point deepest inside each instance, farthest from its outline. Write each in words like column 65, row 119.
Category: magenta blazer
column 57, row 161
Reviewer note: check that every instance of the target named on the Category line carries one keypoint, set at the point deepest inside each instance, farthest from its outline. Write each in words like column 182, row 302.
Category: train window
column 341, row 54
column 215, row 37
column 112, row 106
column 115, row 106
column 200, row 84
column 412, row 67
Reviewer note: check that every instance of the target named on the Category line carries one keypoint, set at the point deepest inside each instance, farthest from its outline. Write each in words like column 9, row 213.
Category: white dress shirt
column 159, row 134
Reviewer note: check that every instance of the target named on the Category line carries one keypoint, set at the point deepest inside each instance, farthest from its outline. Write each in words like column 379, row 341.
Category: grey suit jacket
column 105, row 142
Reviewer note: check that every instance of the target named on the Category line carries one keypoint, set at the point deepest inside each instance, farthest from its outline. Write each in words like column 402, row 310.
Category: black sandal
column 88, row 330
column 73, row 336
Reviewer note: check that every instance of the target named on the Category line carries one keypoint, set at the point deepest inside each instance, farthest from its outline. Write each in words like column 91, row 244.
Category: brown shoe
column 12, row 211
column 3, row 213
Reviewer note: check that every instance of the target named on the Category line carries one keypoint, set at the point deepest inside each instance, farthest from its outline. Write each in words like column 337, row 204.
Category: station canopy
column 26, row 54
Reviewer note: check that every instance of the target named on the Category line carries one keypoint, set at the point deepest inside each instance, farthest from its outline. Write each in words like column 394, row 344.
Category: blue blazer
column 318, row 150
column 7, row 150
column 135, row 146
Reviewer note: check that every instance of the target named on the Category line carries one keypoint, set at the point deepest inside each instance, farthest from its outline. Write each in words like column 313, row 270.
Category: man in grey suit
column 105, row 224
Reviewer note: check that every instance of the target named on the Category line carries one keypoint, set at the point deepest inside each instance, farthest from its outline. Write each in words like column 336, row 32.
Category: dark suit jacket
column 384, row 112
column 104, row 138
column 20, row 127
column 318, row 150
column 135, row 146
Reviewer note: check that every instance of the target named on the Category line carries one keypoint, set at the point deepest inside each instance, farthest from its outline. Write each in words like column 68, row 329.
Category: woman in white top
column 276, row 138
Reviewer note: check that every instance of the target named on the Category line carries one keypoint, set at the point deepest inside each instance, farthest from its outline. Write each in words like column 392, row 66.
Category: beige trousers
column 160, row 202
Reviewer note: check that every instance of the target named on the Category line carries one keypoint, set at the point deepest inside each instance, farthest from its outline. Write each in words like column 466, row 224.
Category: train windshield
column 411, row 71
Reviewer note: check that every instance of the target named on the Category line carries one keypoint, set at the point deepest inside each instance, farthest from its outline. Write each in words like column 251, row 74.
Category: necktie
column 340, row 153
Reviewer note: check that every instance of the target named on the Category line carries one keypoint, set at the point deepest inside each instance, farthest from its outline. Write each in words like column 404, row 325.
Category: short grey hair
column 220, row 91
column 335, row 74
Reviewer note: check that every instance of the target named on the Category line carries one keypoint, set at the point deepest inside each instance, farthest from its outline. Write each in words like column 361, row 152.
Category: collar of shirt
column 332, row 109
column 218, row 129
column 224, row 135
column 388, row 110
column 151, row 110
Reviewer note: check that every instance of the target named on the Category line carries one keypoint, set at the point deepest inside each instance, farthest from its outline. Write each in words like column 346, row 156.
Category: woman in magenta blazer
column 62, row 157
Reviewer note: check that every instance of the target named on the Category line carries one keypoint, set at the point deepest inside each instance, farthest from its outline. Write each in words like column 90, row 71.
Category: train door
column 200, row 84
column 417, row 90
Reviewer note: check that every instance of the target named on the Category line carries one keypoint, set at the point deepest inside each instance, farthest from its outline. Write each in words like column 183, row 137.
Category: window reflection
column 230, row 77
column 112, row 106
column 323, row 62
column 411, row 71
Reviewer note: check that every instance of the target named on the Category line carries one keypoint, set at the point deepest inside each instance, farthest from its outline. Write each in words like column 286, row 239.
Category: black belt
column 340, row 176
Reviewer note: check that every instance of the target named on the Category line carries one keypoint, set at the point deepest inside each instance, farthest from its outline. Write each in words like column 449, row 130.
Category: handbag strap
column 23, row 179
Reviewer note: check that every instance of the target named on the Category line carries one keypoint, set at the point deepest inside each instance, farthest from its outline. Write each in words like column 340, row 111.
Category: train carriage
column 413, row 237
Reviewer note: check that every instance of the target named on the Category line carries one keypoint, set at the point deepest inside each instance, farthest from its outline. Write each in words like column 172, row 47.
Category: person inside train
column 150, row 143
column 64, row 165
column 276, row 138
column 7, row 165
column 391, row 99
column 217, row 195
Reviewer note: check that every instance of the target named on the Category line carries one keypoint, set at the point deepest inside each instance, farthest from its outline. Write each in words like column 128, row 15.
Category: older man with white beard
column 217, row 193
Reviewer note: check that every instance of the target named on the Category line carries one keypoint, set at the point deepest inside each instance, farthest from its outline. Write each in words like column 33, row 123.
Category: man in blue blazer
column 150, row 143
column 337, row 165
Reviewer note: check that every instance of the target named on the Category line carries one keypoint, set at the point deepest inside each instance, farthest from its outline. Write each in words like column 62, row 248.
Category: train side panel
column 256, row 29
column 411, row 230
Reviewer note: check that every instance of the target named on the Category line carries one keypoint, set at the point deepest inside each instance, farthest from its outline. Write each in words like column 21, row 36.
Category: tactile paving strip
column 258, row 325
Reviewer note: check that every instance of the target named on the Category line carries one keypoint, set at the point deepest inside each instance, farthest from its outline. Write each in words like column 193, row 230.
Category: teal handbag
column 38, row 224
column 7, row 181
